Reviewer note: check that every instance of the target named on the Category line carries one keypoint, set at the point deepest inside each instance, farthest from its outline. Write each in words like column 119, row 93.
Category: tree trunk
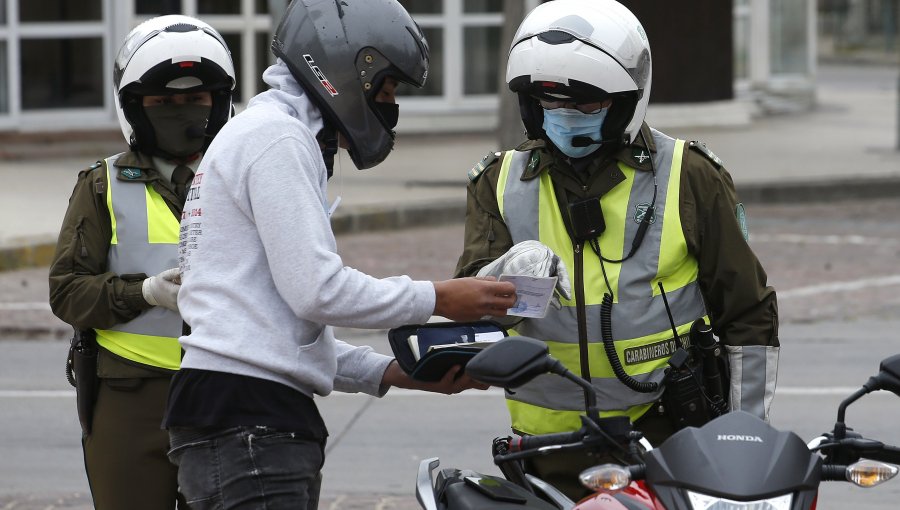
column 691, row 42
column 510, row 130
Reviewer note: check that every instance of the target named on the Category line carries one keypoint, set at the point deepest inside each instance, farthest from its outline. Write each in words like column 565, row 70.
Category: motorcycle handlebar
column 832, row 472
column 886, row 453
column 858, row 447
column 534, row 442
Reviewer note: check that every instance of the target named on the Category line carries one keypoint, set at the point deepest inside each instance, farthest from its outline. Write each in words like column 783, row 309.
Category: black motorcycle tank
column 736, row 456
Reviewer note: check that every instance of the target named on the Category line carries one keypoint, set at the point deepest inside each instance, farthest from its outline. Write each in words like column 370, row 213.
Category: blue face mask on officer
column 562, row 125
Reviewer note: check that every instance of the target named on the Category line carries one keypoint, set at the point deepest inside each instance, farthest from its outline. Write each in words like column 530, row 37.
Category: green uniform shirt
column 83, row 292
column 742, row 308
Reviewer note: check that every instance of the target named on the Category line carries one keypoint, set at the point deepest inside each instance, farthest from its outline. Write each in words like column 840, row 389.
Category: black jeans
column 247, row 467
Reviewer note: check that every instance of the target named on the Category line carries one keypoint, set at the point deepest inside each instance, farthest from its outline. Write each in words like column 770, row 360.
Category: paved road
column 376, row 445
column 835, row 266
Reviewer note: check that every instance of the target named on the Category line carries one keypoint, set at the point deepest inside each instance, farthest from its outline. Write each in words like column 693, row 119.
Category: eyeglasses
column 592, row 107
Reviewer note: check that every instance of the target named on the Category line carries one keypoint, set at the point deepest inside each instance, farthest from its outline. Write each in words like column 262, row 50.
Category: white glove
column 531, row 258
column 162, row 289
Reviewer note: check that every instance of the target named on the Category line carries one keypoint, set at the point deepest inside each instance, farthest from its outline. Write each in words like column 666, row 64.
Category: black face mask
column 180, row 129
column 389, row 113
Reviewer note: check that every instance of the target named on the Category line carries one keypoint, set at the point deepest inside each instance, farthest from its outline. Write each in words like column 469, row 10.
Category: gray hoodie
column 262, row 283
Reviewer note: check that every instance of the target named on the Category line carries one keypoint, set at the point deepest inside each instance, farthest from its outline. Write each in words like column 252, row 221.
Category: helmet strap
column 328, row 138
column 143, row 139
column 532, row 116
column 221, row 111
column 620, row 114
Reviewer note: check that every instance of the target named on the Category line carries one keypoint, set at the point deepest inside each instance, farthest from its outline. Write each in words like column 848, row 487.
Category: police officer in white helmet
column 638, row 226
column 115, row 274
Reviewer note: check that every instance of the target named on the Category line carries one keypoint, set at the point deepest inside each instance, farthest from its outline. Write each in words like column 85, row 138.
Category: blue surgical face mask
column 564, row 124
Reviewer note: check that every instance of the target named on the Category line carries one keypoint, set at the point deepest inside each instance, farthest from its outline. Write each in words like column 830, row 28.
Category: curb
column 39, row 252
column 807, row 191
column 399, row 216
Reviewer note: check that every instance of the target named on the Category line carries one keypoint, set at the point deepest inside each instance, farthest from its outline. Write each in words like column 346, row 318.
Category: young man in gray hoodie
column 262, row 283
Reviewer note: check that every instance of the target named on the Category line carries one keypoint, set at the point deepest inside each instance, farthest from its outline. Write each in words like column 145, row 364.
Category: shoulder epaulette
column 91, row 168
column 485, row 162
column 708, row 154
column 99, row 182
column 83, row 173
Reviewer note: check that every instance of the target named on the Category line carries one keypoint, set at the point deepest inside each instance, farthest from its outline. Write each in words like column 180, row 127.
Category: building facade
column 56, row 56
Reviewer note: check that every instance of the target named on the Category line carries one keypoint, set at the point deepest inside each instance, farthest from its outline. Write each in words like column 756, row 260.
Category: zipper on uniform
column 79, row 232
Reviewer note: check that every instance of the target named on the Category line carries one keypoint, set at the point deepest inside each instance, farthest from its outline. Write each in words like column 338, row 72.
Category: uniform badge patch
column 130, row 173
column 641, row 209
column 741, row 216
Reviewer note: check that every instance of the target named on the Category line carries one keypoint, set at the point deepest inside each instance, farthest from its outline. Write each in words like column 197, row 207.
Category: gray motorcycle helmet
column 340, row 52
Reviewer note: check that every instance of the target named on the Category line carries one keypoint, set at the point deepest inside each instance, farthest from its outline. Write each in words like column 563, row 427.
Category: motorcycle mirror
column 891, row 365
column 889, row 376
column 511, row 362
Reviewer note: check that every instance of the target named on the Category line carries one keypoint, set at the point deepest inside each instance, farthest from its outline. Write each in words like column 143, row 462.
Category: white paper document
column 533, row 294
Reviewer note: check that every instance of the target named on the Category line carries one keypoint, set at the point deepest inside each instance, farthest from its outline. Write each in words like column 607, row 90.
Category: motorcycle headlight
column 706, row 502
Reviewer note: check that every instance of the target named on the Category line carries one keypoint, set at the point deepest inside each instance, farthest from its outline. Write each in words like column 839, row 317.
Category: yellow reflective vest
column 640, row 325
column 144, row 240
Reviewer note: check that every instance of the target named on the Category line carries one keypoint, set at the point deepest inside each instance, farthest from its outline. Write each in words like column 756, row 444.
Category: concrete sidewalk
column 845, row 147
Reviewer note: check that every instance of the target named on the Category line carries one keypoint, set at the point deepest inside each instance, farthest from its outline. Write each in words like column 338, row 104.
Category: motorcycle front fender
column 636, row 496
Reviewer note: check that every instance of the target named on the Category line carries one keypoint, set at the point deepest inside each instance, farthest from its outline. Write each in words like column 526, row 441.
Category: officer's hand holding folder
column 427, row 351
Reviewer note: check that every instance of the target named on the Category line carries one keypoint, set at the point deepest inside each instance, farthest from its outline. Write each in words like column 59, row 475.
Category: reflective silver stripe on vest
column 134, row 253
column 525, row 203
column 554, row 392
column 634, row 319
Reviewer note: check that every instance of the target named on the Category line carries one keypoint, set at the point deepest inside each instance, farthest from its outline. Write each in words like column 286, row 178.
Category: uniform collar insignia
column 130, row 173
column 640, row 154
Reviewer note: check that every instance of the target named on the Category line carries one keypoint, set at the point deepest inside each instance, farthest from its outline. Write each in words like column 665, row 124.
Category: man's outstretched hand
column 454, row 381
column 469, row 299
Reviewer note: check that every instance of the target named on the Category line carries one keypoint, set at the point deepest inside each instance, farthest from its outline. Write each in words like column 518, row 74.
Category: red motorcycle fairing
column 634, row 497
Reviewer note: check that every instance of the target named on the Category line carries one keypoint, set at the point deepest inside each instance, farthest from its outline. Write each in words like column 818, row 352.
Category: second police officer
column 114, row 276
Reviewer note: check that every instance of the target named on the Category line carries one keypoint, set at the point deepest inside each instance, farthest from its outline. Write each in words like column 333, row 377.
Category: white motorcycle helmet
column 165, row 55
column 586, row 51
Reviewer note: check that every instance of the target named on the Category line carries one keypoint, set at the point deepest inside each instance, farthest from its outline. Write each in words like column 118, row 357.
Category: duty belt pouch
column 81, row 370
column 683, row 398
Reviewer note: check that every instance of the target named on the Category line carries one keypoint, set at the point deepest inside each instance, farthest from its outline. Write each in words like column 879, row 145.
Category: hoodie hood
column 289, row 96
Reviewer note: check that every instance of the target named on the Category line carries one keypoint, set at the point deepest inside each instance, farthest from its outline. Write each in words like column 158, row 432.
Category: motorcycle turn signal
column 869, row 473
column 605, row 477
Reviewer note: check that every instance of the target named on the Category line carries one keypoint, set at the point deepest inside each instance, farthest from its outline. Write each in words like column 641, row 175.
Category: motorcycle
column 734, row 462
